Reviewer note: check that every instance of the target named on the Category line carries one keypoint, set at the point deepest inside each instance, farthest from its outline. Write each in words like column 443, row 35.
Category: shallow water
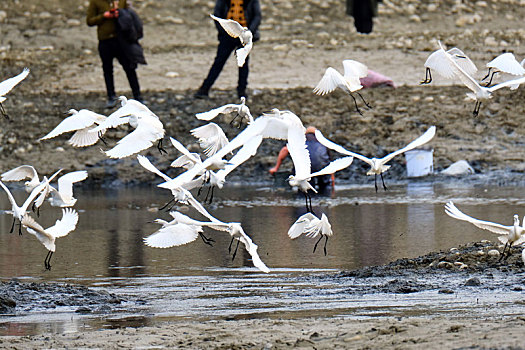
column 199, row 281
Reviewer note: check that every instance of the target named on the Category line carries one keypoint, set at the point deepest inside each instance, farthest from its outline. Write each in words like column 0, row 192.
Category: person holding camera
column 104, row 15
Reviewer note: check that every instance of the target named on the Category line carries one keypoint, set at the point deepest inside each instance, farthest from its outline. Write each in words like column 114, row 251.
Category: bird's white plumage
column 63, row 196
column 82, row 122
column 61, row 228
column 437, row 61
column 349, row 81
column 235, row 30
column 311, row 226
column 211, row 138
column 241, row 109
column 121, row 116
column 8, row 84
column 173, row 234
column 21, row 173
column 507, row 63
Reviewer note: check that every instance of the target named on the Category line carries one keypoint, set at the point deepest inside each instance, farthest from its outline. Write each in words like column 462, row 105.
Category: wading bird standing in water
column 7, row 85
column 348, row 82
column 378, row 165
column 47, row 236
column 509, row 235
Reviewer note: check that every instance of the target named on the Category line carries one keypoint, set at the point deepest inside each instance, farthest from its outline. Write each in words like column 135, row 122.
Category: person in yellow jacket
column 104, row 14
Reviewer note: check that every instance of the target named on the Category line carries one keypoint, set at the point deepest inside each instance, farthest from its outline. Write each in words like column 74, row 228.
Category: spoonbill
column 479, row 93
column 348, row 81
column 236, row 232
column 241, row 111
column 378, row 165
column 47, row 236
column 7, row 85
column 507, row 64
column 438, row 63
column 235, row 30
column 312, row 226
column 81, row 122
column 509, row 235
column 19, row 212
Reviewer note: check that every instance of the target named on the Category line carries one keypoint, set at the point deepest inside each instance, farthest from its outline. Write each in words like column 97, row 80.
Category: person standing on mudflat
column 104, row 15
column 248, row 14
column 363, row 12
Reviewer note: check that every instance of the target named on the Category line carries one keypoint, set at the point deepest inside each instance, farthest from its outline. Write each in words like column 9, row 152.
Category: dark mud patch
column 20, row 298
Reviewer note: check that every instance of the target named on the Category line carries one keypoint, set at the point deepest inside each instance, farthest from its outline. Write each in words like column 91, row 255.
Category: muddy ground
column 299, row 40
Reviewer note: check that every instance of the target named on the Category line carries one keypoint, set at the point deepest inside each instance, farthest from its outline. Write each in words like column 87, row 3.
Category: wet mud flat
column 463, row 297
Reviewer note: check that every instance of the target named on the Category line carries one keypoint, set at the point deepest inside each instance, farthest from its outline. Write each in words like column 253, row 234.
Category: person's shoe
column 201, row 94
column 112, row 102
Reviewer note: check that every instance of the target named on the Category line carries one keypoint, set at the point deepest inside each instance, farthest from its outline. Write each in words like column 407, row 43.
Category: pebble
column 281, row 47
column 172, row 74
column 73, row 22
column 3, row 16
column 474, row 281
column 493, row 253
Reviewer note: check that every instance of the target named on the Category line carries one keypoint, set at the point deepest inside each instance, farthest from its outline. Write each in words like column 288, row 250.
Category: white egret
column 437, row 62
column 312, row 226
column 19, row 211
column 81, row 122
column 507, row 65
column 241, row 110
column 121, row 115
column 21, row 173
column 509, row 235
column 235, row 30
column 479, row 93
column 173, row 234
column 47, row 236
column 236, row 232
column 7, row 85
column 378, row 165
column 63, row 196
column 348, row 82
column 211, row 138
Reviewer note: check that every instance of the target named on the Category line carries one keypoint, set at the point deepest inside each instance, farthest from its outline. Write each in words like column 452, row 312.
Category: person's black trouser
column 363, row 16
column 108, row 50
column 227, row 45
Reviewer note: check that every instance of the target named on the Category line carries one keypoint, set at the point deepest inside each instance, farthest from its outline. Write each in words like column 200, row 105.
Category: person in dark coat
column 363, row 12
column 319, row 158
column 248, row 14
column 104, row 15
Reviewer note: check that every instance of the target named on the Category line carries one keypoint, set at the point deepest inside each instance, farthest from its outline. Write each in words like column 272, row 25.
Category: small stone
column 473, row 282
column 73, row 22
column 281, row 47
column 172, row 74
column 445, row 265
column 3, row 16
column 446, row 291
column 493, row 253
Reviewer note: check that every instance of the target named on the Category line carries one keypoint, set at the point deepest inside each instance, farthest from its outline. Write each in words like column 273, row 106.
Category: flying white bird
column 211, row 138
column 7, row 85
column 236, row 232
column 479, row 93
column 241, row 111
column 63, row 197
column 348, row 82
column 235, row 30
column 81, row 122
column 311, row 226
column 21, row 173
column 437, row 62
column 19, row 212
column 507, row 65
column 509, row 235
column 173, row 234
column 378, row 165
column 48, row 236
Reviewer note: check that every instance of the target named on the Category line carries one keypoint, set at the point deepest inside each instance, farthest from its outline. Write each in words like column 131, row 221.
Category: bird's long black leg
column 375, row 181
column 364, row 101
column 101, row 138
column 2, row 111
column 356, row 107
column 383, row 181
column 20, row 228
column 168, row 203
column 12, row 226
column 491, row 77
column 235, row 251
column 206, row 240
column 47, row 261
column 508, row 252
column 477, row 106
column 486, row 76
column 316, row 243
column 503, row 252
column 325, row 242
column 230, row 246
column 428, row 77
column 160, row 148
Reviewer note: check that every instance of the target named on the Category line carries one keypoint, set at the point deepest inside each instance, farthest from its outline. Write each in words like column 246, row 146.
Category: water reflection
column 369, row 229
